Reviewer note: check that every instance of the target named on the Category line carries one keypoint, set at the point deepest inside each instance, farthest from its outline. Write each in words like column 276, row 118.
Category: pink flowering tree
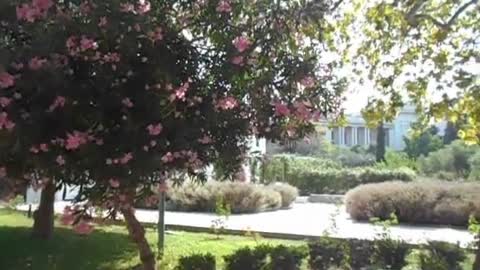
column 113, row 95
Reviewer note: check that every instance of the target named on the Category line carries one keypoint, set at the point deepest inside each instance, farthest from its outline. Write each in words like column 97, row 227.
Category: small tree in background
column 424, row 143
column 112, row 96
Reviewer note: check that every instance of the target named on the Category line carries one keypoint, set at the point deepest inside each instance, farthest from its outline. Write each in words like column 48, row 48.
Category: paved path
column 310, row 219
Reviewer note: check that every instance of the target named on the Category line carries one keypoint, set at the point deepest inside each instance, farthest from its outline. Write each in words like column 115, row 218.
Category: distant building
column 356, row 132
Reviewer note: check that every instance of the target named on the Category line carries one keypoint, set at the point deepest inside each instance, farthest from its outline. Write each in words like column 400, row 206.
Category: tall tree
column 113, row 96
column 380, row 147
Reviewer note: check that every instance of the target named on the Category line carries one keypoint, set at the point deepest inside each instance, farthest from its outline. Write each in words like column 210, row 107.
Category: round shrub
column 390, row 254
column 416, row 202
column 441, row 255
column 248, row 259
column 329, row 252
column 240, row 197
column 288, row 193
column 197, row 262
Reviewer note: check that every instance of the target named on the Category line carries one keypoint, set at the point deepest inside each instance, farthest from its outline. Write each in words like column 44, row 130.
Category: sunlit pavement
column 306, row 219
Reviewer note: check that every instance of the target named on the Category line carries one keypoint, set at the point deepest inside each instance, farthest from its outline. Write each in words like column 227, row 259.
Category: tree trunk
column 476, row 264
column 44, row 215
column 380, row 154
column 137, row 233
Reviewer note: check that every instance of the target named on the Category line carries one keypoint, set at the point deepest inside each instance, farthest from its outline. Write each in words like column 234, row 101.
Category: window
column 373, row 136
column 387, row 137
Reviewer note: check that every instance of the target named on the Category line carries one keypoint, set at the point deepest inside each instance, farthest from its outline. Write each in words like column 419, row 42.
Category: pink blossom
column 103, row 22
column 43, row 147
column 4, row 101
column 43, row 5
column 238, row 60
column 3, row 172
column 156, row 35
column 144, row 6
column 83, row 228
column 60, row 160
column 205, row 139
column 168, row 157
column 99, row 141
column 87, row 44
column 227, row 103
column 114, row 183
column 126, row 158
column 6, row 80
column 281, row 109
column 242, row 43
column 5, row 122
column 68, row 216
column 181, row 91
column 301, row 111
column 127, row 7
column 36, row 63
column 145, row 148
column 75, row 140
column 137, row 27
column 308, row 81
column 111, row 57
column 58, row 102
column 108, row 161
column 224, row 6
column 127, row 102
column 153, row 143
column 291, row 132
column 154, row 130
column 28, row 12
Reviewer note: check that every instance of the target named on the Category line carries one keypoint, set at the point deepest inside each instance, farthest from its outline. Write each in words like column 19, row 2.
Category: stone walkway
column 305, row 219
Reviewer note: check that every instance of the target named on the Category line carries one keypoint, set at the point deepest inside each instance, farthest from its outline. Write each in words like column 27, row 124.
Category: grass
column 109, row 247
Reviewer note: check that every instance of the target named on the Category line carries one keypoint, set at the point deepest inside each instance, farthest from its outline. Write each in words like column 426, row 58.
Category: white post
column 354, row 139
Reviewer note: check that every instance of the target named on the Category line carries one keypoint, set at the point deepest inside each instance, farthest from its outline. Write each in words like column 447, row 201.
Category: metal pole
column 161, row 223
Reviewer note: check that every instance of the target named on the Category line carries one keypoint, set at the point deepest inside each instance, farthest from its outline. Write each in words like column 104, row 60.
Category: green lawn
column 109, row 247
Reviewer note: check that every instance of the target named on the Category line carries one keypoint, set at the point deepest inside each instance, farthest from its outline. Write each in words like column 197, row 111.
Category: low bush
column 197, row 262
column 287, row 192
column 286, row 258
column 441, row 256
column 416, row 202
column 340, row 181
column 390, row 254
column 329, row 252
column 248, row 259
column 241, row 197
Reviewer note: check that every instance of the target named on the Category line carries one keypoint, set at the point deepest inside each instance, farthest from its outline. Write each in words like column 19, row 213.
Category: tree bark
column 476, row 263
column 137, row 233
column 44, row 215
column 380, row 154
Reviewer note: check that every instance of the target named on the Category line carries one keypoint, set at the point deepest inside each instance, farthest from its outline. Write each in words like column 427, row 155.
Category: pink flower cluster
column 302, row 110
column 83, row 228
column 154, row 129
column 224, row 6
column 60, row 160
column 180, row 92
column 241, row 43
column 36, row 63
column 205, row 140
column 5, row 122
column 68, row 216
column 33, row 11
column 4, row 101
column 308, row 81
column 122, row 160
column 75, row 45
column 189, row 156
column 43, row 147
column 6, row 80
column 75, row 140
column 127, row 102
column 281, row 109
column 114, row 183
column 227, row 103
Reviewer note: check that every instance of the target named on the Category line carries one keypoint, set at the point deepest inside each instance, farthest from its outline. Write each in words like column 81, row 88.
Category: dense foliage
column 197, row 262
column 426, row 202
column 423, row 144
column 318, row 180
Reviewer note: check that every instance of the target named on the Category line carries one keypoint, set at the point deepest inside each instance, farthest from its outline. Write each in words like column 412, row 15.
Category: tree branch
column 336, row 5
column 450, row 22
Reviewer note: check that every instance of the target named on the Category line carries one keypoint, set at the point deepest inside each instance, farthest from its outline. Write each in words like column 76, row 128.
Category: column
column 342, row 136
column 354, row 134
column 367, row 136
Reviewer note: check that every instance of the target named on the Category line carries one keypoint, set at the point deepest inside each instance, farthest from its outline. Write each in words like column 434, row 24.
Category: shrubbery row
column 328, row 253
column 239, row 197
column 417, row 202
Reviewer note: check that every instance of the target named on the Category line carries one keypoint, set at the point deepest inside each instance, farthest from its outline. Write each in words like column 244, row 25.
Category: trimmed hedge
column 330, row 181
column 241, row 197
column 431, row 202
column 266, row 257
column 197, row 262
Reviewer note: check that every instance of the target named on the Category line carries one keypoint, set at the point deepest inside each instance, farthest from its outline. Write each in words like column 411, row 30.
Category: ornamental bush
column 441, row 256
column 329, row 252
column 334, row 181
column 248, row 258
column 429, row 202
column 240, row 197
column 197, row 262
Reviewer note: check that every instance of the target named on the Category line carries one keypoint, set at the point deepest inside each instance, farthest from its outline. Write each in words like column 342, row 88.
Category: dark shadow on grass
column 65, row 251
